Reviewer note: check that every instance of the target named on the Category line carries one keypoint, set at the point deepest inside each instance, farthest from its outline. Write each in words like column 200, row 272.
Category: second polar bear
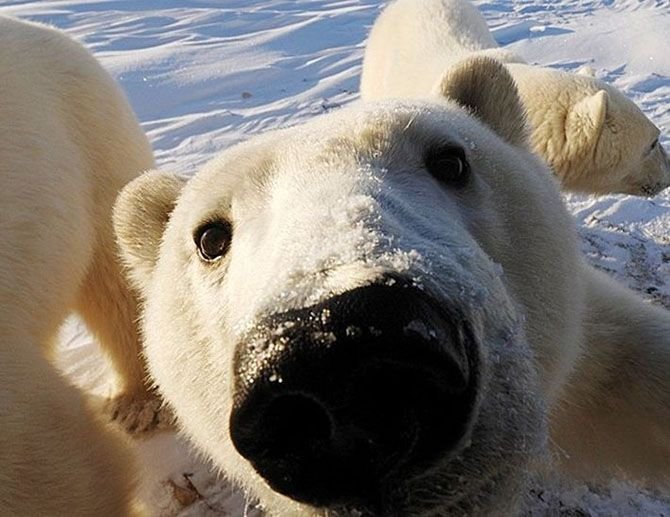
column 594, row 138
column 376, row 313
column 68, row 143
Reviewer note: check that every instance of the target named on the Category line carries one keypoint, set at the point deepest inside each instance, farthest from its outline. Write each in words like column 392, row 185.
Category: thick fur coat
column 68, row 143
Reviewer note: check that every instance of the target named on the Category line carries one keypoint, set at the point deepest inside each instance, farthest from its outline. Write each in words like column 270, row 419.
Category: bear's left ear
column 484, row 86
column 141, row 213
column 586, row 71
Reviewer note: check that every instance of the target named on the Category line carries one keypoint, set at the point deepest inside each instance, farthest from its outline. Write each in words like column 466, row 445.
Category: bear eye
column 213, row 240
column 653, row 145
column 448, row 164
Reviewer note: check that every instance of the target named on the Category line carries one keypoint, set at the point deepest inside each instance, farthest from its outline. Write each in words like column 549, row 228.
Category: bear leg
column 109, row 308
column 614, row 417
column 56, row 458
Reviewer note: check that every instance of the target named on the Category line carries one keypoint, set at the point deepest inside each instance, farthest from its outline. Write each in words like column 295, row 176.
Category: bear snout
column 337, row 403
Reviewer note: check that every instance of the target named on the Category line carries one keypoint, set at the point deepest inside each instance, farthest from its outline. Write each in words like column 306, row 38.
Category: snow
column 204, row 74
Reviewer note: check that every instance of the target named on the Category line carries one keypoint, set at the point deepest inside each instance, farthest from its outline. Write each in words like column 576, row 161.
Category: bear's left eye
column 448, row 164
column 213, row 240
column 653, row 145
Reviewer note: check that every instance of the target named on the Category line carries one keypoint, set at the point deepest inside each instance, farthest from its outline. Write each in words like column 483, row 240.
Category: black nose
column 335, row 401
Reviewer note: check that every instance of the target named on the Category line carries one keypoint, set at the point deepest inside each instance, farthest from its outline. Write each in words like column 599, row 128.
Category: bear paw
column 139, row 415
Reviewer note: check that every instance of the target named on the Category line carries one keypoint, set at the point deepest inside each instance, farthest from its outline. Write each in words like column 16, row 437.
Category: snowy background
column 203, row 74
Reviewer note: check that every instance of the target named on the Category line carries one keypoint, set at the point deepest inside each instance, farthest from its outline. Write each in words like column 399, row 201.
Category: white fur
column 68, row 143
column 337, row 203
column 594, row 138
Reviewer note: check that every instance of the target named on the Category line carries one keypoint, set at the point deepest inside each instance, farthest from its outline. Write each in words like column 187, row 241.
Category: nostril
column 298, row 423
column 413, row 410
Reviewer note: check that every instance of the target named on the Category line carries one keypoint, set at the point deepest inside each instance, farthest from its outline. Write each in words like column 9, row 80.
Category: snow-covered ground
column 203, row 74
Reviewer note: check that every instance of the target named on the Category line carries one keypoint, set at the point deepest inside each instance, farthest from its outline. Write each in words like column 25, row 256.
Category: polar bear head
column 594, row 137
column 627, row 153
column 355, row 316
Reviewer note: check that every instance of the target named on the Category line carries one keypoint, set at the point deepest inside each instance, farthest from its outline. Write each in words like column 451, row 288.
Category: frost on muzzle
column 335, row 401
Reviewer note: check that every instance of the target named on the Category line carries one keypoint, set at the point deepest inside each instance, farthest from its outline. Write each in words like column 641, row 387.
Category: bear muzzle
column 336, row 404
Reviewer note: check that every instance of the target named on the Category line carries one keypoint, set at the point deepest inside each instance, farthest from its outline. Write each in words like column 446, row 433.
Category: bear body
column 385, row 312
column 594, row 138
column 68, row 143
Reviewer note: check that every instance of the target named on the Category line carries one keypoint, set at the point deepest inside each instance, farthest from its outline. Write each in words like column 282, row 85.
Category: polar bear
column 594, row 138
column 385, row 312
column 68, row 143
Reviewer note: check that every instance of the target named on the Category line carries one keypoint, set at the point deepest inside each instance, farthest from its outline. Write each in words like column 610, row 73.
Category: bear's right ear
column 484, row 86
column 585, row 122
column 141, row 212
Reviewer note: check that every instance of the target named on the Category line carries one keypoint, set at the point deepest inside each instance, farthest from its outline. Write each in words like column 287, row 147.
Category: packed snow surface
column 203, row 74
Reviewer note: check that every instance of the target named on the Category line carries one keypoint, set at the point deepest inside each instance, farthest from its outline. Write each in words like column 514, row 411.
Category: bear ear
column 585, row 121
column 141, row 213
column 586, row 71
column 484, row 86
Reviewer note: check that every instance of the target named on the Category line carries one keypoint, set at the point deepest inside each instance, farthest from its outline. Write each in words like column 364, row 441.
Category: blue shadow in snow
column 525, row 30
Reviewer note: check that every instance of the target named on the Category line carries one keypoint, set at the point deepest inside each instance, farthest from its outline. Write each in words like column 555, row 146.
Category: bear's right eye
column 213, row 240
column 448, row 164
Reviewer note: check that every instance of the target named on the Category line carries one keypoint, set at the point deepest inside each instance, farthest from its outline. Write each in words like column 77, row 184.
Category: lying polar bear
column 379, row 312
column 68, row 143
column 594, row 138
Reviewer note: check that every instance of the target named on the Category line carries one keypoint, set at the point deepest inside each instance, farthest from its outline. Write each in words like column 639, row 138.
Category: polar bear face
column 628, row 150
column 343, row 315
column 594, row 137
